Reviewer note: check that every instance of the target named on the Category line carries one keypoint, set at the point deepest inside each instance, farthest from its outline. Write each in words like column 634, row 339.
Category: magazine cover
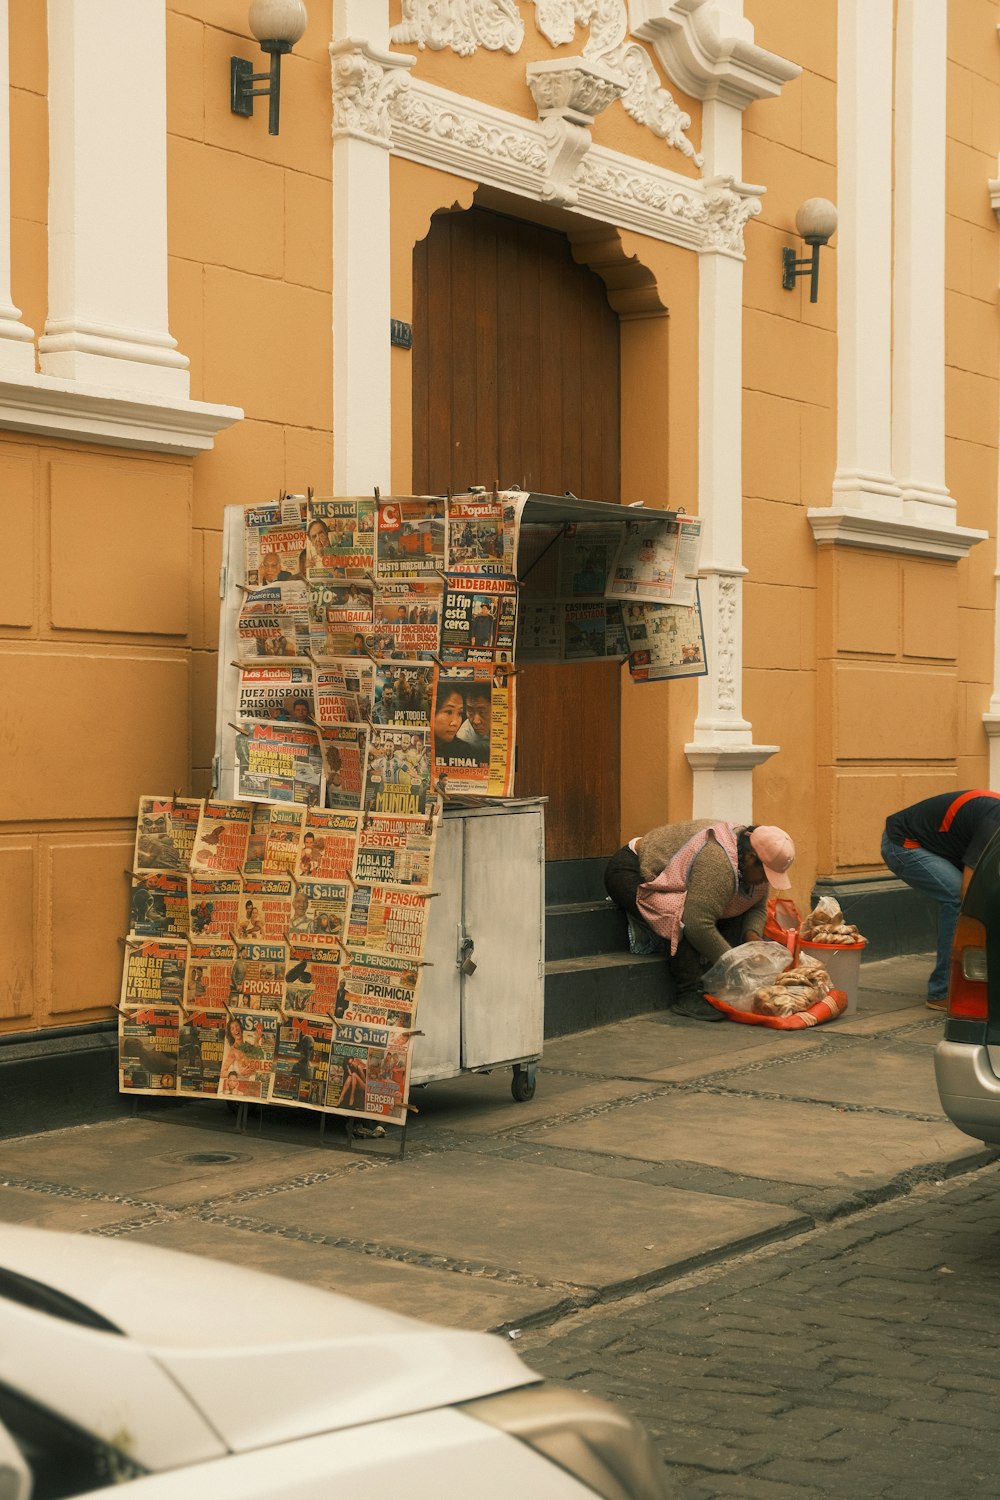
column 214, row 905
column 301, row 1060
column 398, row 775
column 379, row 987
column 278, row 763
column 199, row 1051
column 154, row 973
column 480, row 619
column 404, row 691
column 319, row 908
column 147, row 1049
column 313, row 980
column 389, row 919
column 345, row 755
column 275, row 838
column 209, row 979
column 369, row 1071
column 165, row 831
column 409, row 537
column 248, row 1054
column 258, row 977
column 394, row 851
column 265, row 908
column 158, row 905
column 222, row 837
column 329, row 840
column 283, row 692
column 341, row 536
column 407, row 618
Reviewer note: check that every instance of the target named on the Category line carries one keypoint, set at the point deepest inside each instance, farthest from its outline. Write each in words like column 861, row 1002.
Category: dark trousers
column 622, row 879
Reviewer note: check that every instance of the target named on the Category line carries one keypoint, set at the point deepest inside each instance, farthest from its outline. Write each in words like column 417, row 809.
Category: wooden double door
column 516, row 381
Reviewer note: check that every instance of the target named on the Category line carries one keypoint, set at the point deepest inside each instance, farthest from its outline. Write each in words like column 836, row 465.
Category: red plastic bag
column 832, row 1005
column 783, row 921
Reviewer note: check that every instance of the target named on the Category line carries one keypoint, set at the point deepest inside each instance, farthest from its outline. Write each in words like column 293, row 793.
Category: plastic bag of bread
column 825, row 924
column 793, row 990
column 739, row 974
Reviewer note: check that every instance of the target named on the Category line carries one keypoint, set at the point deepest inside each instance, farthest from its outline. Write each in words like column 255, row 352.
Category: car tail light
column 596, row 1442
column 968, row 994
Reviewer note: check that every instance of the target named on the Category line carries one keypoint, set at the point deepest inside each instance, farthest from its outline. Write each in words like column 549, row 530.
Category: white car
column 178, row 1376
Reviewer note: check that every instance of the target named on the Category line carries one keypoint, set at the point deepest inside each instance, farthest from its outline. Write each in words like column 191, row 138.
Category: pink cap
column 775, row 851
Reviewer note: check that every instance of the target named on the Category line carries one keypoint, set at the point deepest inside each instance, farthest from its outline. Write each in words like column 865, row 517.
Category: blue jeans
column 938, row 878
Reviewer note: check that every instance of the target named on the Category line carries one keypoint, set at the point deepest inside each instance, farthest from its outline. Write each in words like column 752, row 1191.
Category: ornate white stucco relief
column 725, row 644
column 462, row 25
column 569, row 93
column 365, row 83
column 465, row 25
column 471, row 139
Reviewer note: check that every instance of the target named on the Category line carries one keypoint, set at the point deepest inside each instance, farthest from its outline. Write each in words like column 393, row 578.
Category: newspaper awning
column 558, row 510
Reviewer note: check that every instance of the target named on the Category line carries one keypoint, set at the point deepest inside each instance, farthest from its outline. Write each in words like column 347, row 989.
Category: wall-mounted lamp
column 815, row 221
column 277, row 25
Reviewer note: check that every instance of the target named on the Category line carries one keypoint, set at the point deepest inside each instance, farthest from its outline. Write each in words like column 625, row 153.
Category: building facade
column 578, row 209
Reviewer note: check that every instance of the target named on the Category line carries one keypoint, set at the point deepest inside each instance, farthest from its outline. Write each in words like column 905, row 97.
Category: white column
column 864, row 478
column 107, row 323
column 17, row 341
column 918, row 261
column 722, row 754
column 365, row 78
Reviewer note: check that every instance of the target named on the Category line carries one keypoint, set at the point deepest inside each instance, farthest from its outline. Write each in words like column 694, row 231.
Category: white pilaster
column 107, row 322
column 864, row 478
column 17, row 341
column 918, row 262
column 365, row 79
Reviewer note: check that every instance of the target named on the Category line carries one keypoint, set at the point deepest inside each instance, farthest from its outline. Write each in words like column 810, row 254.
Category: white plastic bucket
column 842, row 961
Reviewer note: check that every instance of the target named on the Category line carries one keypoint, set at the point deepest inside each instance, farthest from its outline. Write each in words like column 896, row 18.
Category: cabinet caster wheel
column 522, row 1085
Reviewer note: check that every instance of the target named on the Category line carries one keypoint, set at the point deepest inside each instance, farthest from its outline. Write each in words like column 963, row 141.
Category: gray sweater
column 710, row 886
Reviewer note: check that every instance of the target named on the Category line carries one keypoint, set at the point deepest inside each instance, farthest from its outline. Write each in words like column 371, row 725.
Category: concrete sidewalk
column 651, row 1146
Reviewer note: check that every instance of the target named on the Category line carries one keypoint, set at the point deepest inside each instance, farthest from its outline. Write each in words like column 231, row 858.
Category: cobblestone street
column 857, row 1361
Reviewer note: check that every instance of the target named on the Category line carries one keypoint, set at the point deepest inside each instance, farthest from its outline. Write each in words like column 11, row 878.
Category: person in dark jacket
column 935, row 845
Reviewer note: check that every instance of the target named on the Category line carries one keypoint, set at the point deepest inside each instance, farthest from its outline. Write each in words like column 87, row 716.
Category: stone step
column 584, row 927
column 584, row 992
column 571, row 880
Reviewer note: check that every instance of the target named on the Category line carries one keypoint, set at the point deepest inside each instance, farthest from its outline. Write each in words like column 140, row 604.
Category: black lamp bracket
column 793, row 268
column 242, row 78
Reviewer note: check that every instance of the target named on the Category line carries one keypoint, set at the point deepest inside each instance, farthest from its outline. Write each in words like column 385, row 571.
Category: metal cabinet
column 481, row 1001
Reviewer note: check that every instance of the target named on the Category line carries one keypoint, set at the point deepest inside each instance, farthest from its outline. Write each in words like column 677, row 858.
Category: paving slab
column 69, row 1212
column 526, row 1217
column 482, row 1105
column 448, row 1297
column 769, row 1139
column 153, row 1160
column 665, row 1048
column 880, row 1075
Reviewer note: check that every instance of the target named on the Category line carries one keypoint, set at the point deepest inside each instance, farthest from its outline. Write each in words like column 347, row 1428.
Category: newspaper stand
column 481, row 1003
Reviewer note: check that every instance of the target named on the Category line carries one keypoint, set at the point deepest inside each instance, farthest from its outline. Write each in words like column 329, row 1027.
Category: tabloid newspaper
column 277, row 527
column 222, row 838
column 313, row 980
column 165, row 831
column 409, row 537
column 284, row 692
column 209, row 980
column 158, row 905
column 665, row 641
column 477, row 540
column 301, row 1060
column 540, row 630
column 379, row 987
column 274, row 622
column 593, row 632
column 404, row 692
column 657, row 562
column 154, row 972
column 341, row 617
column 480, row 619
column 258, row 978
column 398, row 774
column 266, row 908
column 278, row 763
column 473, row 732
column 147, row 1049
column 585, row 557
column 345, row 691
column 345, row 754
column 329, row 841
column 369, row 1071
column 199, row 1051
column 341, row 536
column 394, row 851
column 407, row 620
column 248, row 1054
column 319, row 908
column 389, row 919
column 275, row 838
column 214, row 905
